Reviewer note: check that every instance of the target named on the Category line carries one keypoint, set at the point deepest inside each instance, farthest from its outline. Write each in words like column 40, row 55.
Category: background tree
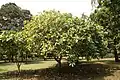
column 8, row 46
column 90, row 42
column 12, row 17
column 107, row 15
column 14, row 46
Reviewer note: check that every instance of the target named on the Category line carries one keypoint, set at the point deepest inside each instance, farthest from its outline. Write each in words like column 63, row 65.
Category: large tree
column 107, row 15
column 12, row 17
column 50, row 33
column 63, row 34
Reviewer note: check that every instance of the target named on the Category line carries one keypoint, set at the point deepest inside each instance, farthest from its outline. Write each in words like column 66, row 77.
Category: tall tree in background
column 12, row 17
column 107, row 14
column 13, row 45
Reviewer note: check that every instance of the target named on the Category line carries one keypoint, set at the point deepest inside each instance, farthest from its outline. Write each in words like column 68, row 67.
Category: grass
column 104, row 69
column 5, row 67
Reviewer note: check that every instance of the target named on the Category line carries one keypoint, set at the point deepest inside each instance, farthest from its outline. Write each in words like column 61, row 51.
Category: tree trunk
column 44, row 57
column 115, row 51
column 77, row 62
column 9, row 59
column 26, row 59
column 22, row 59
column 18, row 66
column 12, row 58
column 58, row 59
column 59, row 64
column 116, row 55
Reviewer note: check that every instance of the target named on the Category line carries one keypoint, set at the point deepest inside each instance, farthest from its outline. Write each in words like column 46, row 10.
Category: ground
column 104, row 69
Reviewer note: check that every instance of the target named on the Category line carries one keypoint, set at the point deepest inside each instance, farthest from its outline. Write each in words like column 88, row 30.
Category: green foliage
column 49, row 31
column 55, row 33
column 8, row 47
column 13, row 46
column 12, row 17
column 63, row 34
column 90, row 43
column 107, row 15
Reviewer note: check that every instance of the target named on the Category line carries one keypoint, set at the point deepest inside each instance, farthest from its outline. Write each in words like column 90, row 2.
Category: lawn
column 105, row 69
column 5, row 67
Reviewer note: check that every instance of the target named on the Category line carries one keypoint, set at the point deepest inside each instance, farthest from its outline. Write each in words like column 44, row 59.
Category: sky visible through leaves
column 76, row 7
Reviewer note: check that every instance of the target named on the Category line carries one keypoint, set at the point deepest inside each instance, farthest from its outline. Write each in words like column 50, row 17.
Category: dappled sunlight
column 87, row 71
column 56, row 45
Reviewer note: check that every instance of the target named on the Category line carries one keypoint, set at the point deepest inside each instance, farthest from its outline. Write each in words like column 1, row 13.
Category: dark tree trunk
column 26, row 59
column 115, row 51
column 59, row 64
column 44, row 58
column 12, row 58
column 77, row 62
column 116, row 55
column 58, row 59
column 18, row 64
column 9, row 59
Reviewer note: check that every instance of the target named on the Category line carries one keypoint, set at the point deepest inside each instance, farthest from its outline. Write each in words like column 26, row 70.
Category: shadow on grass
column 109, row 62
column 83, row 71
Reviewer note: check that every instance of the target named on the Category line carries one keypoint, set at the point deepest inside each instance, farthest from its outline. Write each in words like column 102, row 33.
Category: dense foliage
column 12, row 17
column 107, row 15
column 62, row 34
column 56, row 34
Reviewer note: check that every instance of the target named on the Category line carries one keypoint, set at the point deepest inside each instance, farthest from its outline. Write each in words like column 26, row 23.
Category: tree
column 90, row 42
column 22, row 49
column 12, row 17
column 14, row 45
column 107, row 15
column 8, row 46
column 49, row 33
column 63, row 34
